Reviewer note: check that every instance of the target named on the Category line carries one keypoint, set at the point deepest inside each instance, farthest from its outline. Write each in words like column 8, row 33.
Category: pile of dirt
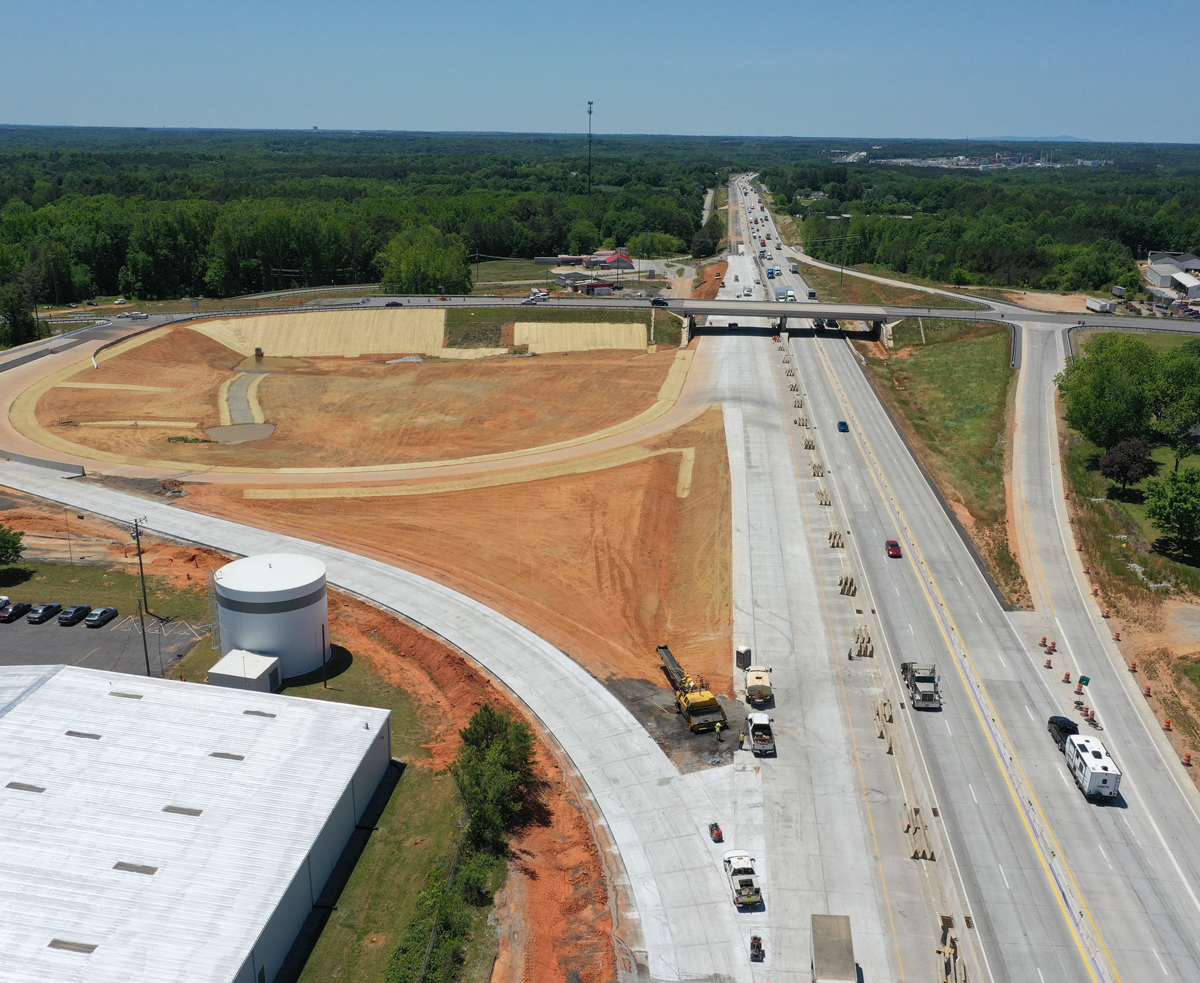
column 706, row 288
column 47, row 525
column 348, row 412
column 553, row 914
column 604, row 564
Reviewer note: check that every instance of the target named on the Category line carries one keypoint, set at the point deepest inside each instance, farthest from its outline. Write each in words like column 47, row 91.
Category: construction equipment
column 922, row 683
column 758, row 685
column 756, row 949
column 715, row 831
column 692, row 697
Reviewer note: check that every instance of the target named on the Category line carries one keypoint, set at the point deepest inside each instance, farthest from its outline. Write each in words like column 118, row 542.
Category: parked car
column 74, row 614
column 893, row 549
column 1060, row 729
column 4, row 599
column 100, row 617
column 658, row 302
column 11, row 612
column 91, row 303
column 43, row 613
column 843, row 426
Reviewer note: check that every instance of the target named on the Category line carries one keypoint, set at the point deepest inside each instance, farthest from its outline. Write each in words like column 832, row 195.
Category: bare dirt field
column 605, row 564
column 346, row 412
column 1067, row 303
column 707, row 288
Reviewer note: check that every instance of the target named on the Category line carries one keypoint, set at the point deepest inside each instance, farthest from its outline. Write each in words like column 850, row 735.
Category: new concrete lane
column 1141, row 853
column 1014, row 904
column 686, row 927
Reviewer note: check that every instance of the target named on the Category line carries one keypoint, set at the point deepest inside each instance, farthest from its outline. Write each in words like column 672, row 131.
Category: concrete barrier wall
column 37, row 462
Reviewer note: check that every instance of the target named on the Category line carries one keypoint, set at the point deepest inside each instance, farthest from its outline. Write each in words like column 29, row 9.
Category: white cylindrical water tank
column 275, row 605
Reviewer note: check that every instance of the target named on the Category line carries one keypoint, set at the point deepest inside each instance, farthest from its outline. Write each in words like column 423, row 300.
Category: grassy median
column 948, row 385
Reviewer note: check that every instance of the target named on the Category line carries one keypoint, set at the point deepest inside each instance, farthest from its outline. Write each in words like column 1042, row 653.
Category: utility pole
column 137, row 537
column 145, row 647
column 70, row 552
column 589, row 148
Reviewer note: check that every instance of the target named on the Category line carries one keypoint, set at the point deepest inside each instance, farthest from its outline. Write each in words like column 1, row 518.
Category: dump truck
column 922, row 683
column 692, row 696
column 833, row 950
column 758, row 729
column 758, row 685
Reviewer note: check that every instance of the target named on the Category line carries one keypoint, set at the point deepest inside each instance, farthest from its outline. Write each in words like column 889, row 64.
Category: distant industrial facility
column 275, row 605
column 1175, row 271
column 164, row 831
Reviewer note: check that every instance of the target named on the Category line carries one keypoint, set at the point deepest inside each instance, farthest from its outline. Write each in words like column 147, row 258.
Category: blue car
column 843, row 426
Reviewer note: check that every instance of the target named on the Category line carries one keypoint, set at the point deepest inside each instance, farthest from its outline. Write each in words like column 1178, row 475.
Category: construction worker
column 741, row 739
column 719, row 737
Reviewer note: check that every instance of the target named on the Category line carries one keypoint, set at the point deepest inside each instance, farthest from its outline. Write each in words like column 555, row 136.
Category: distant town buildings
column 994, row 162
column 602, row 259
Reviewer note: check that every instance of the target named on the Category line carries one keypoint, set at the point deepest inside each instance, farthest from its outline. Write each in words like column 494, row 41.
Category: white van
column 1094, row 771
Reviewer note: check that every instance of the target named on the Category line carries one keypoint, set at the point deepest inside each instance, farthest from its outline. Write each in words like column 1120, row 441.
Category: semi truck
column 922, row 683
column 693, row 699
column 832, row 950
column 1100, row 306
column 1094, row 771
column 794, row 267
column 780, row 292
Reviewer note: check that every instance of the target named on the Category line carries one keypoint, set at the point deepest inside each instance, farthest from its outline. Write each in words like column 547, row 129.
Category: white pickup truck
column 739, row 867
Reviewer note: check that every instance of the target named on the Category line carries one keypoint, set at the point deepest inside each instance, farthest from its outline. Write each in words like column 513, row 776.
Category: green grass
column 952, row 393
column 481, row 327
column 1160, row 341
column 510, row 269
column 414, row 835
column 855, row 290
column 84, row 584
column 1122, row 514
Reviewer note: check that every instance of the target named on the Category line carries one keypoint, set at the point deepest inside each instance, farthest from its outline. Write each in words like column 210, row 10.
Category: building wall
column 280, row 932
column 293, row 637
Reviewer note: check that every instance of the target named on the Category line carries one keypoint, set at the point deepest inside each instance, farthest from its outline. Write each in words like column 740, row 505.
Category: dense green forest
column 1070, row 229
column 164, row 213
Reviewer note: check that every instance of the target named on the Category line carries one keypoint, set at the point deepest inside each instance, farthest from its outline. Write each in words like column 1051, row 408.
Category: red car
column 393, row 303
column 893, row 549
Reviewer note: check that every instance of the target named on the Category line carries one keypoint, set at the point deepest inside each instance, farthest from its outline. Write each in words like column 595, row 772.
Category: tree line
column 1125, row 397
column 1074, row 229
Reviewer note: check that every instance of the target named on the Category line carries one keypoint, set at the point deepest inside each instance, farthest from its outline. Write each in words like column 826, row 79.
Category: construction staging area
column 557, row 516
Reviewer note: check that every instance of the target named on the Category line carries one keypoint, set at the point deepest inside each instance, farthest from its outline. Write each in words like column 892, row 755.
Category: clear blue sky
column 1100, row 69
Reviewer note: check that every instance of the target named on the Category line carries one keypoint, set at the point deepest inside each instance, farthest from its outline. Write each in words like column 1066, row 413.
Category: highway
column 1060, row 887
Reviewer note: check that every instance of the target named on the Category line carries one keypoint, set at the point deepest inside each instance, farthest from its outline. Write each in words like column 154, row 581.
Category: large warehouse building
column 154, row 830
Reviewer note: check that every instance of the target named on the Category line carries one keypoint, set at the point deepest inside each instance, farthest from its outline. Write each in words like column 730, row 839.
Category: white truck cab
column 1093, row 769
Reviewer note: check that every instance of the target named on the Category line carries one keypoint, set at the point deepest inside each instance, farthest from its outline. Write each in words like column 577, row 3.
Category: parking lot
column 117, row 647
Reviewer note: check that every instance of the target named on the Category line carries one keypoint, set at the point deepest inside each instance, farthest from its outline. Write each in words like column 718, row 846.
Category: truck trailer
column 1100, row 306
column 1094, row 771
column 833, row 950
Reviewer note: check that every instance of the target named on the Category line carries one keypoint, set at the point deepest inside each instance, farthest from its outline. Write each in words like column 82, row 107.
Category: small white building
column 1187, row 285
column 246, row 670
column 157, row 831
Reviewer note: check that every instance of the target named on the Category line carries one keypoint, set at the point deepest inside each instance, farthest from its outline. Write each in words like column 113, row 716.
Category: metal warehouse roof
column 157, row 821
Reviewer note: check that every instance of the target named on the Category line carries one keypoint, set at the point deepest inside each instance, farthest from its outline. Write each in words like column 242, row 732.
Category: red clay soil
column 605, row 565
column 713, row 275
column 553, row 915
column 352, row 412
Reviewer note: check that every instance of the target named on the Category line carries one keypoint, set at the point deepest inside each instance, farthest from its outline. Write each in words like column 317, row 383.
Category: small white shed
column 246, row 670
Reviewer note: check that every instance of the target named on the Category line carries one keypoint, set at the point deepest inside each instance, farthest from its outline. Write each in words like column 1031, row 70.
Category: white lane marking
column 911, row 628
column 979, row 616
column 1001, row 658
column 1040, row 976
column 1030, row 712
column 1002, row 874
column 948, row 730
column 972, row 788
column 1064, row 778
column 1160, row 962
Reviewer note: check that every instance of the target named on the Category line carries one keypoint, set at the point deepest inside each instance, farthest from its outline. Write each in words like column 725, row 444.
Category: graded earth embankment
column 543, row 337
column 605, row 564
column 338, row 412
column 332, row 333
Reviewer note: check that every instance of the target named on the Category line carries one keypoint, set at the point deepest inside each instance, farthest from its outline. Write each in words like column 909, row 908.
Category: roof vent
column 257, row 713
column 72, row 946
column 127, row 696
column 182, row 810
column 79, row 733
column 134, row 868
column 228, row 756
column 22, row 787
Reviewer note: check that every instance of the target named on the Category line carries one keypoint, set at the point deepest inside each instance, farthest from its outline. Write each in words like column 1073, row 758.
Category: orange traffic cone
column 1067, row 677
column 1048, row 665
column 1147, row 691
column 1079, row 689
column 1133, row 667
column 1167, row 724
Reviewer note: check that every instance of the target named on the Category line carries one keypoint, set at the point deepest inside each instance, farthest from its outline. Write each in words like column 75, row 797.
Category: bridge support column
column 782, row 324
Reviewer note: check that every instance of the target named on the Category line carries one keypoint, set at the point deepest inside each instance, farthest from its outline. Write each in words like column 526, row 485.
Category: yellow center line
column 982, row 702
